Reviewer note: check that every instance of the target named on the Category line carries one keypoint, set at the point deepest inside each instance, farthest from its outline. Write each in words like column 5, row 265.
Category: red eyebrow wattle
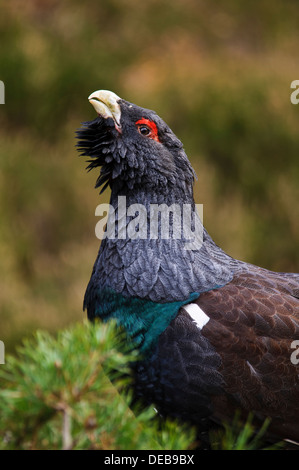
column 151, row 125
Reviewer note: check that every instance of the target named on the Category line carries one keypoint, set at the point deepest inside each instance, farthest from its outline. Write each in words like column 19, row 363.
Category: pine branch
column 56, row 394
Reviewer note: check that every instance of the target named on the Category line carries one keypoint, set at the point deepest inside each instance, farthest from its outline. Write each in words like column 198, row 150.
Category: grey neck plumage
column 154, row 267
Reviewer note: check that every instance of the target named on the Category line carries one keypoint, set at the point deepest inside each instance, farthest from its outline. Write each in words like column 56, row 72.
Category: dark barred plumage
column 217, row 333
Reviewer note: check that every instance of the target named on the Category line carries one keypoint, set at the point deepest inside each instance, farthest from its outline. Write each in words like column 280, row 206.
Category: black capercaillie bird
column 216, row 334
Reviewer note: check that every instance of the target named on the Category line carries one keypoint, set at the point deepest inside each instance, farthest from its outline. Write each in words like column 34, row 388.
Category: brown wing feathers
column 253, row 321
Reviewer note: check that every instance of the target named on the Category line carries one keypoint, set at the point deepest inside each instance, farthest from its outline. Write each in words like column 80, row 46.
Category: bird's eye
column 147, row 128
column 144, row 130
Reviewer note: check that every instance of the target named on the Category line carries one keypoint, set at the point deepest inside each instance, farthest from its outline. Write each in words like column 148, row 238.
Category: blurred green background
column 218, row 72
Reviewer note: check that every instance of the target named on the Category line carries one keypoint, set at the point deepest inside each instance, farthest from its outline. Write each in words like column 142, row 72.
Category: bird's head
column 134, row 148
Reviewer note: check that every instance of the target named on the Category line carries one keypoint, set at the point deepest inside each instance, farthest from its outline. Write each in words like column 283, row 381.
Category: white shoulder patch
column 197, row 315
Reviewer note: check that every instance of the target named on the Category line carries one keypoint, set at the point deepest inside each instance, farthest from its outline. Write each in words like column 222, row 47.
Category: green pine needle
column 56, row 394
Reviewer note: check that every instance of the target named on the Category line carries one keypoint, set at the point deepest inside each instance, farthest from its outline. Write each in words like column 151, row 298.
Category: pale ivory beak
column 106, row 104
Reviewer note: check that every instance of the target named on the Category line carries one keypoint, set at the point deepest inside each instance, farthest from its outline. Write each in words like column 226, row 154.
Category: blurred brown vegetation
column 218, row 72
